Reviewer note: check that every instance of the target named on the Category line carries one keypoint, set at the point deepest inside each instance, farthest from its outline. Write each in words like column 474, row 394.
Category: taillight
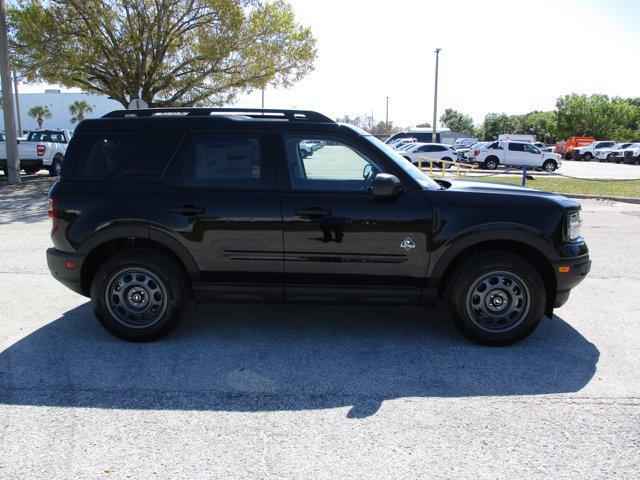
column 53, row 214
column 476, row 153
column 40, row 149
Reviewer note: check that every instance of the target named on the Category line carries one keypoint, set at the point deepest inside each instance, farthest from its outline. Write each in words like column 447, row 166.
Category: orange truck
column 565, row 148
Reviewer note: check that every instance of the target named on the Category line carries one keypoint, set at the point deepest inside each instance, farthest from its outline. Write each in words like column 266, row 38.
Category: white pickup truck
column 515, row 154
column 42, row 149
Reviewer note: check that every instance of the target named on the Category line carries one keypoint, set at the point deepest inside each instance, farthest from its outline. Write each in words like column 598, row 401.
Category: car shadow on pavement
column 271, row 357
column 27, row 202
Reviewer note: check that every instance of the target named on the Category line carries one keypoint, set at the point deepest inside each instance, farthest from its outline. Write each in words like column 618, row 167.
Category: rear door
column 220, row 201
column 515, row 154
column 341, row 242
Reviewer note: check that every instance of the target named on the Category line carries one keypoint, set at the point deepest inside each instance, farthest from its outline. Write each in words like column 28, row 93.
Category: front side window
column 530, row 148
column 330, row 165
column 227, row 161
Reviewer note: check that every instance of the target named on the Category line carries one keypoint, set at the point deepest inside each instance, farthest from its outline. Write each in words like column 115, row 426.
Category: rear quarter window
column 125, row 157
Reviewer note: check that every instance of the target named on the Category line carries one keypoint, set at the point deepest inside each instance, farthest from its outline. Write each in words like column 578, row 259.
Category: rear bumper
column 61, row 266
column 578, row 269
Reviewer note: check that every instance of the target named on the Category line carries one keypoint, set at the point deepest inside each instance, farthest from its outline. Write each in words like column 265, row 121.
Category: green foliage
column 457, row 121
column 496, row 123
column 424, row 125
column 541, row 124
column 385, row 128
column 39, row 113
column 78, row 109
column 167, row 52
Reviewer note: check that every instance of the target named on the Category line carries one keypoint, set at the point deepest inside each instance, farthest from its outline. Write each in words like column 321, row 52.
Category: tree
column 457, row 121
column 543, row 125
column 385, row 128
column 78, row 109
column 595, row 116
column 166, row 52
column 39, row 113
column 496, row 123
column 424, row 125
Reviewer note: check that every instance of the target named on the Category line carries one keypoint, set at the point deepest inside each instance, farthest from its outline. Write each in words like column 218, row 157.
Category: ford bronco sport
column 156, row 206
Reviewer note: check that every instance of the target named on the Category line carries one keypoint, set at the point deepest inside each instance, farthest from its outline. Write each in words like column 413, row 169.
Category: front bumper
column 577, row 156
column 66, row 268
column 578, row 269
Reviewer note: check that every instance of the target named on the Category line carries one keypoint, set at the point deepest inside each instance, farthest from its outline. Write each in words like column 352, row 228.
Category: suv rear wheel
column 139, row 294
column 496, row 298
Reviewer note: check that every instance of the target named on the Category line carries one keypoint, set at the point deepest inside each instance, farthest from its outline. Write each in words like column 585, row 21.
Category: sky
column 497, row 56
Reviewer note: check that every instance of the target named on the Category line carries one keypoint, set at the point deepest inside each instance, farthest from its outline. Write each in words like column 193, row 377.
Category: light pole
column 263, row 98
column 13, row 163
column 386, row 118
column 435, row 100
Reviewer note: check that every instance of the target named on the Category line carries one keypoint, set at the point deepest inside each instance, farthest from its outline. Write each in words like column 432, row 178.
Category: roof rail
column 262, row 113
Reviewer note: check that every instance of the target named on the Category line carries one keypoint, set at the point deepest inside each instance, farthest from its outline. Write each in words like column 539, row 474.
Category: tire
column 587, row 157
column 550, row 166
column 491, row 163
column 139, row 294
column 476, row 304
column 54, row 169
column 618, row 159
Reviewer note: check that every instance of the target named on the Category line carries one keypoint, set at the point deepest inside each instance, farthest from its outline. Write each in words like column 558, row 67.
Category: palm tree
column 78, row 109
column 40, row 113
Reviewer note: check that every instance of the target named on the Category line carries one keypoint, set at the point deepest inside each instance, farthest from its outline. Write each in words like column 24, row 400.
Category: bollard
column 524, row 176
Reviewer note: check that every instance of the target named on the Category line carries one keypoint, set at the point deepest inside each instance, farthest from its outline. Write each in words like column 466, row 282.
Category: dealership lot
column 245, row 391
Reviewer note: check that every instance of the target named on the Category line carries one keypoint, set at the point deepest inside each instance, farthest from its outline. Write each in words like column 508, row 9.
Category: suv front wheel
column 496, row 298
column 139, row 294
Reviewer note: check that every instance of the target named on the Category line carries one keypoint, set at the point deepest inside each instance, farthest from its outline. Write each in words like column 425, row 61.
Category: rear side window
column 225, row 161
column 125, row 157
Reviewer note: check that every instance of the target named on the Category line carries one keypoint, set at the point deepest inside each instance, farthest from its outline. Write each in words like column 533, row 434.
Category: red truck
column 565, row 148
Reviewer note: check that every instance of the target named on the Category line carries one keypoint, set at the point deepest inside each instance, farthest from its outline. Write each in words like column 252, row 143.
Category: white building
column 58, row 103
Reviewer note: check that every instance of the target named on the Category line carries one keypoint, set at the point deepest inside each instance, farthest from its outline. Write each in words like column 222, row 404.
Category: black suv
column 156, row 206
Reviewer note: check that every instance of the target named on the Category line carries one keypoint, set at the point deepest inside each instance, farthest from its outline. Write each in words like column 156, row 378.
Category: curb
column 600, row 197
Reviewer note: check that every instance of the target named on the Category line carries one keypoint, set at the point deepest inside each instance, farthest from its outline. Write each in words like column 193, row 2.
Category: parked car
column 514, row 154
column 587, row 152
column 401, row 141
column 565, row 148
column 154, row 208
column 461, row 143
column 430, row 151
column 549, row 148
column 631, row 154
column 603, row 154
column 41, row 149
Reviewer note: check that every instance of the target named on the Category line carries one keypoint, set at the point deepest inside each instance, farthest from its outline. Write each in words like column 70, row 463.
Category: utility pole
column 263, row 98
column 386, row 118
column 434, row 134
column 18, row 115
column 13, row 163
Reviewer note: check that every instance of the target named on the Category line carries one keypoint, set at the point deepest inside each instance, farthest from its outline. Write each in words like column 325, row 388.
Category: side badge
column 407, row 244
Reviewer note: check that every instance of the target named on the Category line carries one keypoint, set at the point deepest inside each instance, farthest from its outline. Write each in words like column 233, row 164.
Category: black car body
column 228, row 206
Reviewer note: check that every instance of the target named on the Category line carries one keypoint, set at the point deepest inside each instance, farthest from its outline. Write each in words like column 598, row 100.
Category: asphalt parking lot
column 246, row 391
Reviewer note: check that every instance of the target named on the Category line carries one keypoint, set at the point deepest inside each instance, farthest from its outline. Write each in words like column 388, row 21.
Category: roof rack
column 261, row 113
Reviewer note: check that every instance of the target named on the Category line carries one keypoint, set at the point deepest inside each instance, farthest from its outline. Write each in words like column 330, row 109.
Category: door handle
column 187, row 209
column 316, row 211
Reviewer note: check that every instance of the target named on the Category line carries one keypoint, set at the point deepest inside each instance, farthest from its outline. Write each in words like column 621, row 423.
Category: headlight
column 574, row 226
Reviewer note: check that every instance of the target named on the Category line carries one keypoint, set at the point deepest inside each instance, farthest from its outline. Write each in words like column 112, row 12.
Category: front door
column 340, row 241
column 220, row 201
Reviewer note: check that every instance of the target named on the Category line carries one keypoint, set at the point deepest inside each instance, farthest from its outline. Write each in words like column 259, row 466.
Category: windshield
column 408, row 167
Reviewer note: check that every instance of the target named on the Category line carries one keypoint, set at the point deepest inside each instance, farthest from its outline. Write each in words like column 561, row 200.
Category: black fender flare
column 485, row 234
column 144, row 232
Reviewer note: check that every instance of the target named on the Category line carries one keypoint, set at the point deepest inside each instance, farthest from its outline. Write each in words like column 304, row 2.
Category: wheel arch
column 105, row 247
column 446, row 266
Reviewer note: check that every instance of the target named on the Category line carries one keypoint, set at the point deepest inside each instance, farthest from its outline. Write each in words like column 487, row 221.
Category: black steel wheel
column 139, row 294
column 496, row 298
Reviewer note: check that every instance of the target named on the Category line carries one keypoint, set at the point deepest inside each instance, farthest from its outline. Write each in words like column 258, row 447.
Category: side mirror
column 366, row 171
column 386, row 185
